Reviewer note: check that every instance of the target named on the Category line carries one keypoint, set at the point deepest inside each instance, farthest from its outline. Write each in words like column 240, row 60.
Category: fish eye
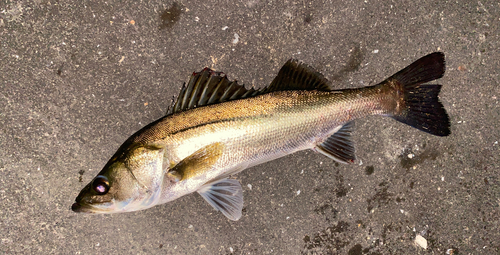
column 100, row 185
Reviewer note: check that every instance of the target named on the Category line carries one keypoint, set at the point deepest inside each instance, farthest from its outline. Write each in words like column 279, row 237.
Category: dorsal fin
column 295, row 75
column 208, row 87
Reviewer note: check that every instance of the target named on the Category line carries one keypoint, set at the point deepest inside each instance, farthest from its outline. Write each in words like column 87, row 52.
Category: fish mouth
column 84, row 208
column 79, row 208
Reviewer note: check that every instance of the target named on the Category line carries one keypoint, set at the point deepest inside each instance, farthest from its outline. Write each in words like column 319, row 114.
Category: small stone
column 421, row 241
column 236, row 38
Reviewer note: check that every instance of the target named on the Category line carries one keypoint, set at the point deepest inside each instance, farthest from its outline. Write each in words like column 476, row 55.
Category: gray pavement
column 78, row 77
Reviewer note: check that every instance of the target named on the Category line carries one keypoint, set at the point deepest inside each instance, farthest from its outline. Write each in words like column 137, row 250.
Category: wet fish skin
column 198, row 148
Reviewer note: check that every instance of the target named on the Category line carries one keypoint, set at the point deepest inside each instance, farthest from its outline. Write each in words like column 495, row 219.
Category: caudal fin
column 420, row 107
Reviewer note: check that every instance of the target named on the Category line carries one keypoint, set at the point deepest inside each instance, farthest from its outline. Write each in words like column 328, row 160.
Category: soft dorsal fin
column 295, row 75
column 208, row 87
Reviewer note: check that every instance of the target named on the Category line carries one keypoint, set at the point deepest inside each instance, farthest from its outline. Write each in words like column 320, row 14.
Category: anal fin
column 225, row 195
column 339, row 146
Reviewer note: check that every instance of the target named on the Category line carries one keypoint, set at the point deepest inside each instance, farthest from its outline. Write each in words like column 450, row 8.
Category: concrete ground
column 78, row 77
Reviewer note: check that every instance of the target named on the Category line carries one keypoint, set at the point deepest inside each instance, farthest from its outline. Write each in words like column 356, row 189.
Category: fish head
column 130, row 181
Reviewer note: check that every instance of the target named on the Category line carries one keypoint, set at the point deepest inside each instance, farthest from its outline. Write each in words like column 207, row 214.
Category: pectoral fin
column 197, row 163
column 224, row 195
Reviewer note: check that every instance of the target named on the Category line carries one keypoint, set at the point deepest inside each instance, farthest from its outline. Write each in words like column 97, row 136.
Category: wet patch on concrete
column 409, row 159
column 60, row 70
column 340, row 189
column 80, row 178
column 308, row 17
column 170, row 16
column 327, row 241
column 369, row 170
column 327, row 208
column 356, row 250
column 352, row 65
column 381, row 197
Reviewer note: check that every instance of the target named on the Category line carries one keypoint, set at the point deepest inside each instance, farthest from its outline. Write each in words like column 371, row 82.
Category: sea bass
column 217, row 128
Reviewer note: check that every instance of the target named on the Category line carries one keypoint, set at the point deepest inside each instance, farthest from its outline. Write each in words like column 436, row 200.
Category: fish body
column 218, row 128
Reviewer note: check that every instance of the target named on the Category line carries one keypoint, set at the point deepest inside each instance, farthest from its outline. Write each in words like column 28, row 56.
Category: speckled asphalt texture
column 78, row 77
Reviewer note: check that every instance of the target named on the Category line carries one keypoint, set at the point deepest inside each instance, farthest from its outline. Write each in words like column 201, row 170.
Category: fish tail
column 418, row 105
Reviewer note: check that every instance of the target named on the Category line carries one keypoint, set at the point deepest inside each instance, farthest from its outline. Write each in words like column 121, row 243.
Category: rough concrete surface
column 78, row 77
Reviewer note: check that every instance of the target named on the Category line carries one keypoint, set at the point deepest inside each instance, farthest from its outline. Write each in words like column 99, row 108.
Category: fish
column 216, row 128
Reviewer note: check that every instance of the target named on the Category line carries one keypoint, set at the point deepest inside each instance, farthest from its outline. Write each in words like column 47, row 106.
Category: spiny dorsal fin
column 208, row 87
column 295, row 75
